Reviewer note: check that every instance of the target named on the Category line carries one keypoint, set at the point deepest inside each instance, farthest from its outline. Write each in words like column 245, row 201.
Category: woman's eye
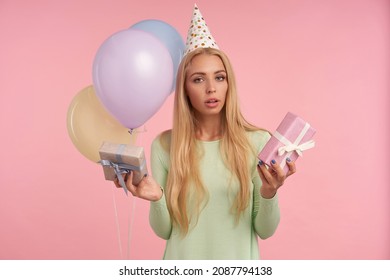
column 198, row 80
column 220, row 78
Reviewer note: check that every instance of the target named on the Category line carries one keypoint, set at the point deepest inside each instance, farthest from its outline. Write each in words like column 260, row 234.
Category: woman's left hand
column 273, row 177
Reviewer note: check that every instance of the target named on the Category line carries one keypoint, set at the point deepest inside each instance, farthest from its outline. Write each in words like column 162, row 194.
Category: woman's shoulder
column 258, row 138
column 259, row 135
column 163, row 141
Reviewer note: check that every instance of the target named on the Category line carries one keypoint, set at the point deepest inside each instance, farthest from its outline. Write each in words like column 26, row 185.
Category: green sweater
column 216, row 234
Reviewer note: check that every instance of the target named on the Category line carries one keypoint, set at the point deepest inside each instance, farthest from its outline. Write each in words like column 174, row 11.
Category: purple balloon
column 132, row 76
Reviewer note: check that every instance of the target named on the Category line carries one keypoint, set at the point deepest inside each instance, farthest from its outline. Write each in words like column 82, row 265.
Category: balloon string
column 117, row 224
column 136, row 130
column 131, row 213
column 130, row 223
column 130, row 226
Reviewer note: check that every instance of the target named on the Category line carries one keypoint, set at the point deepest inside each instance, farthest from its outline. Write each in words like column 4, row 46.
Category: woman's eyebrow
column 198, row 73
column 203, row 73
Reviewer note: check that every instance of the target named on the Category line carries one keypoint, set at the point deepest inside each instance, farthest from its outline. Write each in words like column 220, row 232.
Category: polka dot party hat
column 199, row 35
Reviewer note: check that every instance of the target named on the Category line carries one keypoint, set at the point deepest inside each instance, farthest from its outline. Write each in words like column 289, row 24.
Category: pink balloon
column 132, row 76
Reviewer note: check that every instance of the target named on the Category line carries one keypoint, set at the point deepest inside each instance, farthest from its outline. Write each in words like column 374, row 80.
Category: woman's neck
column 209, row 128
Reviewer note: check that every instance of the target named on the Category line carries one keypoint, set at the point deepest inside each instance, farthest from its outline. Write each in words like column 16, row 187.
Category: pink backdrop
column 327, row 61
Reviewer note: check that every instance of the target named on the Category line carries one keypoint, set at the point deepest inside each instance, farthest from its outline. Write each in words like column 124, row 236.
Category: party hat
column 199, row 35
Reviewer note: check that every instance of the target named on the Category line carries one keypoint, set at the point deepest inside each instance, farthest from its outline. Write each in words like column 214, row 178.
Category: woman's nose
column 210, row 87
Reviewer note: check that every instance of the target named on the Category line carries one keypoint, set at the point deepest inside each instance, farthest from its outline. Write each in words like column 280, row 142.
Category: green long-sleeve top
column 216, row 234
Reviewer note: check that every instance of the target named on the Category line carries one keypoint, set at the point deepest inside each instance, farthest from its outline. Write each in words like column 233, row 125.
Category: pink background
column 327, row 61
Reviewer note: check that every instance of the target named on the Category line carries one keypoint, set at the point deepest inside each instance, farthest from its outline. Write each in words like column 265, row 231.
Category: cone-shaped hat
column 199, row 35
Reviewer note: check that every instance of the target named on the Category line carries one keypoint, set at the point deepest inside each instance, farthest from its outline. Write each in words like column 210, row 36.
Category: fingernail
column 261, row 162
column 288, row 159
column 273, row 161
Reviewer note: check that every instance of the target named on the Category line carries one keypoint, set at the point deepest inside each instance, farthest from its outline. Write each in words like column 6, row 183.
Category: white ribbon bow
column 290, row 147
column 298, row 148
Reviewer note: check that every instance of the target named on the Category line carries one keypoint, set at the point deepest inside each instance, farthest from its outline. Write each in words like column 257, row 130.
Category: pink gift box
column 291, row 138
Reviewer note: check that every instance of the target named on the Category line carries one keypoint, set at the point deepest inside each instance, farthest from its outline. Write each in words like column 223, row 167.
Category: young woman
column 210, row 198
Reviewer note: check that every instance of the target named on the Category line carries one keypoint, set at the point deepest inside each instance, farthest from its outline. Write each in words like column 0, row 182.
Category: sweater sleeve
column 159, row 218
column 266, row 213
column 268, row 216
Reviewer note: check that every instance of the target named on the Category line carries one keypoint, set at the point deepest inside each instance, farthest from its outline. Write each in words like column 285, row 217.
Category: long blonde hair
column 184, row 155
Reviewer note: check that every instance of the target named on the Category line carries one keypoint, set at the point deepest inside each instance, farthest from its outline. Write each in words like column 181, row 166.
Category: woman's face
column 206, row 84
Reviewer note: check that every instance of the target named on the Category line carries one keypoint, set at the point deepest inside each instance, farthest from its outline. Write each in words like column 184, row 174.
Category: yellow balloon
column 89, row 124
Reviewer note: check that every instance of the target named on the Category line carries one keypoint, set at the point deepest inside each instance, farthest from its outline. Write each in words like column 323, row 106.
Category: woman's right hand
column 147, row 189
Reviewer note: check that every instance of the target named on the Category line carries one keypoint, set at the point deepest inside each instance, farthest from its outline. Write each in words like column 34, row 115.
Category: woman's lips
column 212, row 102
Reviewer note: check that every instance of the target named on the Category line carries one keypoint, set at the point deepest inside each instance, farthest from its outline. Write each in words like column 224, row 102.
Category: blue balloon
column 167, row 35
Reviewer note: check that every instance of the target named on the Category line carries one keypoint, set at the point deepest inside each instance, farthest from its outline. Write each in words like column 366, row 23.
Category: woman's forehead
column 205, row 63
